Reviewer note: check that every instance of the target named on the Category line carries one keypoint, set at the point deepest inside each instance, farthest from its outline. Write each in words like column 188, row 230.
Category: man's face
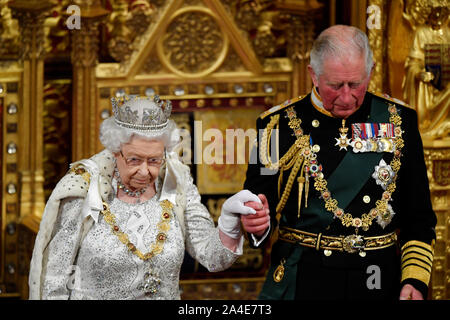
column 342, row 84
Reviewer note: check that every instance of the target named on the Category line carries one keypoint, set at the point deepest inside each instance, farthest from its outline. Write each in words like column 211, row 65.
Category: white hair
column 113, row 136
column 339, row 41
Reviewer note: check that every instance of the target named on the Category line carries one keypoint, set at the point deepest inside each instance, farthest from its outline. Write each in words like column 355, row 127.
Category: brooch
column 383, row 174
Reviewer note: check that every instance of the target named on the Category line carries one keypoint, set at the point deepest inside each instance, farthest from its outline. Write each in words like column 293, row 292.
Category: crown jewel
column 141, row 113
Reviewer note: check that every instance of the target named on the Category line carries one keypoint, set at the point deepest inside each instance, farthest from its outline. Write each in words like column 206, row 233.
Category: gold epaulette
column 389, row 98
column 281, row 106
column 417, row 261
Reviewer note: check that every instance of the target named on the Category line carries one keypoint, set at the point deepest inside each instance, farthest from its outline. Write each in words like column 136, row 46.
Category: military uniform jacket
column 355, row 186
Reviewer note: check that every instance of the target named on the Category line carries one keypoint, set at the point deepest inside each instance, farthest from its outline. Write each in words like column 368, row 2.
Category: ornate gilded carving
column 441, row 172
column 232, row 62
column 438, row 165
column 85, row 44
column 119, row 45
column 125, row 24
column 31, row 15
column 10, row 107
column 417, row 11
column 84, row 56
column 141, row 15
column 9, row 32
column 378, row 45
column 152, row 65
column 274, row 26
column 437, row 154
column 247, row 13
column 437, row 160
column 193, row 43
column 427, row 83
column 57, row 39
column 298, row 18
column 258, row 18
column 300, row 36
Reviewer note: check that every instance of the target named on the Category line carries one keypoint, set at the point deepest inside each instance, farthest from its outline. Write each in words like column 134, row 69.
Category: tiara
column 141, row 113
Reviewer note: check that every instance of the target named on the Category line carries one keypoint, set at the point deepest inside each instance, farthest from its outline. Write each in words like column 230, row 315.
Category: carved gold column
column 300, row 35
column 84, row 60
column 31, row 15
column 358, row 14
column 377, row 43
column 437, row 158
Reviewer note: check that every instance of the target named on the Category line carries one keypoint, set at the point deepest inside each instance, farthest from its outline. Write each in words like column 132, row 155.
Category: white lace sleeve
column 60, row 254
column 202, row 237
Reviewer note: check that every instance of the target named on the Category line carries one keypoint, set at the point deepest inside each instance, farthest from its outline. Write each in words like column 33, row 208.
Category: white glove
column 230, row 221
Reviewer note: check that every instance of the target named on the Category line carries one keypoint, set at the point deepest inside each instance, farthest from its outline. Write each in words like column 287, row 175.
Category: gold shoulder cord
column 293, row 158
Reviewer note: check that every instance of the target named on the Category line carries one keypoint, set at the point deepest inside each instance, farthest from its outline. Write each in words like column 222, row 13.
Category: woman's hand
column 232, row 209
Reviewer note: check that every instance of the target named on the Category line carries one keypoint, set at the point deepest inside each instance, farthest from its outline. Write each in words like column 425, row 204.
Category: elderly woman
column 118, row 224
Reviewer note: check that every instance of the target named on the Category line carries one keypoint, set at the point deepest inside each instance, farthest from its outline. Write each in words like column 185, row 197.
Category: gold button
column 366, row 199
column 315, row 123
column 316, row 148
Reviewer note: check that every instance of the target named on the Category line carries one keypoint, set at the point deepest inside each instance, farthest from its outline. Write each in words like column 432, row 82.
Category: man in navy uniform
column 341, row 174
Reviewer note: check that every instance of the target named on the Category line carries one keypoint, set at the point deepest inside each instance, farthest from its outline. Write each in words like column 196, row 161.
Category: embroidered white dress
column 104, row 268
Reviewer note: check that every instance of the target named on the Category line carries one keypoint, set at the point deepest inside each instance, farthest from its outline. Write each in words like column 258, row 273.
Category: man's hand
column 410, row 293
column 232, row 209
column 259, row 222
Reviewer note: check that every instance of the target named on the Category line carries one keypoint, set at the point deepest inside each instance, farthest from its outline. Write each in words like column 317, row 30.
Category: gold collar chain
column 314, row 169
column 163, row 228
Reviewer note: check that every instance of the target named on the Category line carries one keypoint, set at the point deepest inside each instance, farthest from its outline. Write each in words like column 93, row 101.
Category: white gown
column 104, row 268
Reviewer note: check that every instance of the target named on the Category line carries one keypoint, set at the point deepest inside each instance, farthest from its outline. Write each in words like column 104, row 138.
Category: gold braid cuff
column 417, row 261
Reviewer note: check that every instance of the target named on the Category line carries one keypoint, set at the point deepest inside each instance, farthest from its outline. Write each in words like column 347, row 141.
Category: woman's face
column 139, row 162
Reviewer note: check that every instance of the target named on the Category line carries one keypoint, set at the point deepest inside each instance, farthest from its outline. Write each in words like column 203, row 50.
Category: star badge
column 383, row 174
column 342, row 142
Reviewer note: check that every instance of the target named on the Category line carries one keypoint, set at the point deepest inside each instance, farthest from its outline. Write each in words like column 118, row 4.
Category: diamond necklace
column 135, row 194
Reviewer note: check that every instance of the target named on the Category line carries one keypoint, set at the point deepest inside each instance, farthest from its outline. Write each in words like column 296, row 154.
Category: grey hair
column 339, row 41
column 113, row 136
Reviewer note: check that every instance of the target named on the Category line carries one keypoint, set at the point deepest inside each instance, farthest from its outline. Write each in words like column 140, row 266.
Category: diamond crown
column 141, row 113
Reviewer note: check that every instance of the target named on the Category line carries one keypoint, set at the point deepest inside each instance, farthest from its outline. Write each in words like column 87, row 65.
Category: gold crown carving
column 141, row 113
